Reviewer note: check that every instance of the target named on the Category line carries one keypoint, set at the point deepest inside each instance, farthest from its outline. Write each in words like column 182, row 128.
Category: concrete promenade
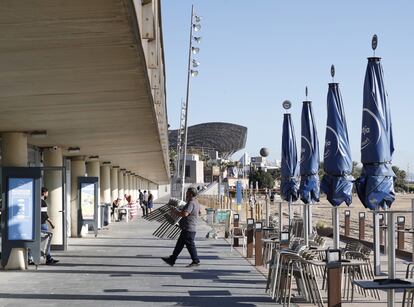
column 122, row 267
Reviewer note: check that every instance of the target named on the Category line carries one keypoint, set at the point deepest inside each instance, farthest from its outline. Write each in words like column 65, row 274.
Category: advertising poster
column 88, row 201
column 21, row 209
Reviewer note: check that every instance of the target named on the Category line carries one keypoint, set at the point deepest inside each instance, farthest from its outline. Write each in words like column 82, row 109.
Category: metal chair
column 238, row 233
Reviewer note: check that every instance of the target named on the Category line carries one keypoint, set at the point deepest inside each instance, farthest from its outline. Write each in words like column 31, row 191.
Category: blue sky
column 255, row 54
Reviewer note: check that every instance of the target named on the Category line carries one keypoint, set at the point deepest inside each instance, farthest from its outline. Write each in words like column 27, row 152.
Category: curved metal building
column 226, row 138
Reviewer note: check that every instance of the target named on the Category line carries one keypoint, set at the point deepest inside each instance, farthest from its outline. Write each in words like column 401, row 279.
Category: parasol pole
column 335, row 226
column 335, row 210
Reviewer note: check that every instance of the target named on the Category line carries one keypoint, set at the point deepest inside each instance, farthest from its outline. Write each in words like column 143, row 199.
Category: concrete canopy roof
column 77, row 70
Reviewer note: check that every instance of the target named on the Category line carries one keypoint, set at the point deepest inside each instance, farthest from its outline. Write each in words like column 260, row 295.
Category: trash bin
column 210, row 216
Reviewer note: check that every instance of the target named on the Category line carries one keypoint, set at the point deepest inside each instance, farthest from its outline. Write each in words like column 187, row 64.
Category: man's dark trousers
column 186, row 238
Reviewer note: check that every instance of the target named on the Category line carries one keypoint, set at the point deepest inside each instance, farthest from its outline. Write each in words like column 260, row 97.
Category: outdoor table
column 127, row 209
column 346, row 265
column 406, row 284
column 373, row 284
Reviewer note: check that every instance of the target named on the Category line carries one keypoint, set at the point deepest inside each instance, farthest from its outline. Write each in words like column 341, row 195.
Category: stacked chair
column 291, row 264
column 408, row 297
column 169, row 228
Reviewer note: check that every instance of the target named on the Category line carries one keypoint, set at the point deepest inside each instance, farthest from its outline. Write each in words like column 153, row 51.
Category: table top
column 346, row 263
column 371, row 284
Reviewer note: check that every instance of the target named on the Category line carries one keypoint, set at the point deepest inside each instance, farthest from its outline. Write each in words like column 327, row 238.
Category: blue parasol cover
column 309, row 160
column 337, row 181
column 289, row 184
column 375, row 187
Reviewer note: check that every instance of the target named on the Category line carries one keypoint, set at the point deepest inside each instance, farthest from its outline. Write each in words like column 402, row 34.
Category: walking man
column 44, row 223
column 189, row 218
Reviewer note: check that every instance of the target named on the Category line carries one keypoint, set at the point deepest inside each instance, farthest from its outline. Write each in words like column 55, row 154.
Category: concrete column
column 77, row 169
column 133, row 191
column 126, row 183
column 131, row 186
column 14, row 149
column 53, row 182
column 114, row 182
column 14, row 153
column 136, row 186
column 93, row 169
column 121, row 185
column 105, row 174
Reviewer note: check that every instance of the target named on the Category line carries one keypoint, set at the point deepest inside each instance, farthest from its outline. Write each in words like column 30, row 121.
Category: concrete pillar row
column 53, row 157
column 121, row 183
column 105, row 174
column 114, row 182
column 14, row 153
column 77, row 169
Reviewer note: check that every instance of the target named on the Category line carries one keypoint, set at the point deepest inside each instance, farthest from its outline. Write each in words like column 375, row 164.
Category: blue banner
column 238, row 192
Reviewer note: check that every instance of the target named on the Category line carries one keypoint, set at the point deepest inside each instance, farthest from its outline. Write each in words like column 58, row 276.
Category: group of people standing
column 145, row 200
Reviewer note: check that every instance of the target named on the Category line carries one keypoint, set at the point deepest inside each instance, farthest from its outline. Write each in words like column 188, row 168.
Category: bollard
column 236, row 219
column 362, row 226
column 400, row 233
column 381, row 227
column 249, row 235
column 258, row 251
column 347, row 222
column 333, row 264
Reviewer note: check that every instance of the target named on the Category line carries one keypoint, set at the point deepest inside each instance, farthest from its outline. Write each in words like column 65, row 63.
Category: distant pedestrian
column 189, row 218
column 141, row 202
column 150, row 202
column 115, row 204
column 45, row 220
column 145, row 201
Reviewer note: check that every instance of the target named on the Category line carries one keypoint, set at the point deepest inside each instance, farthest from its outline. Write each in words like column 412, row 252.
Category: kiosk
column 21, row 212
column 88, row 203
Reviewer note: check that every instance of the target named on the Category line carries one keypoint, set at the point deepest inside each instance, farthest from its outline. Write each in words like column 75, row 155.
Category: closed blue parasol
column 289, row 184
column 309, row 159
column 375, row 187
column 337, row 181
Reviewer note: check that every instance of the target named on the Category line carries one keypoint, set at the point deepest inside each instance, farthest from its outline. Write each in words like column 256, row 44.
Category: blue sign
column 239, row 192
column 21, row 209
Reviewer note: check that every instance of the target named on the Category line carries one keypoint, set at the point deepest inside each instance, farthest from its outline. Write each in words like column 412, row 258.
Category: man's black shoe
column 168, row 260
column 51, row 261
column 193, row 264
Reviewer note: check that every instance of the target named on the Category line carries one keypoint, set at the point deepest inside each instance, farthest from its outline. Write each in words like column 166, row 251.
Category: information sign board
column 87, row 201
column 20, row 204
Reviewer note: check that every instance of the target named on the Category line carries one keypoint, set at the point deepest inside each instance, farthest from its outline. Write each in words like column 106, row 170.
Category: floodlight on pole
column 195, row 63
column 195, row 26
column 197, row 39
